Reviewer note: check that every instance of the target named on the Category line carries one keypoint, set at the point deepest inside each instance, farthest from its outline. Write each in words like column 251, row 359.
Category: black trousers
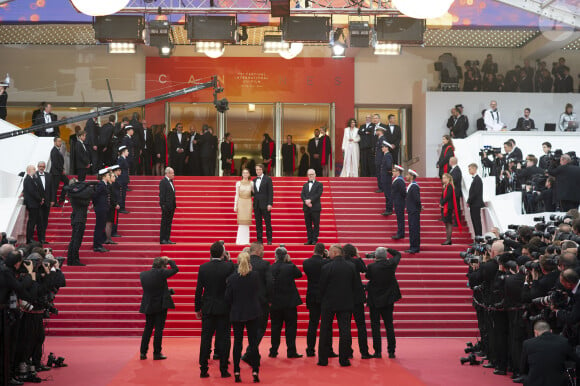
column 76, row 239
column 252, row 352
column 313, row 322
column 56, row 180
column 82, row 174
column 345, row 338
column 44, row 213
column 361, row 326
column 34, row 222
column 378, row 174
column 146, row 162
column 567, row 205
column 207, row 167
column 400, row 212
column 267, row 216
column 166, row 222
column 157, row 321
column 94, row 154
column 312, row 220
column 387, row 182
column 288, row 317
column 498, row 339
column 177, row 162
column 220, row 326
column 517, row 335
column 414, row 230
column 39, row 336
column 99, row 236
column 367, row 162
column 122, row 196
column 386, row 313
column 194, row 165
column 475, row 213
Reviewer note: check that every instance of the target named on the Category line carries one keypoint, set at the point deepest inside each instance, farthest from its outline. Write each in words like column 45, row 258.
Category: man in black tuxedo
column 147, row 150
column 366, row 133
column 457, row 180
column 57, row 173
column 460, row 123
column 128, row 141
column 82, row 156
column 525, row 123
column 312, row 269
column 263, row 268
column 176, row 145
column 337, row 288
column 138, row 141
column 414, row 209
column 42, row 116
column 475, row 199
column 33, row 200
column 310, row 195
column 263, row 202
column 92, row 129
column 193, row 155
column 544, row 357
column 168, row 204
column 155, row 303
column 383, row 292
column 393, row 136
column 212, row 309
column 206, row 152
column 567, row 183
column 105, row 141
column 45, row 187
column 227, row 155
column 315, row 151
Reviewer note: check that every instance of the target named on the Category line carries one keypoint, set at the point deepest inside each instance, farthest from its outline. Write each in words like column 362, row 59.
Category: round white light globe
column 423, row 9
column 99, row 7
column 294, row 51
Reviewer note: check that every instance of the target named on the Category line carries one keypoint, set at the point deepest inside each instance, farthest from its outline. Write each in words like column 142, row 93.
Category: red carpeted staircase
column 103, row 298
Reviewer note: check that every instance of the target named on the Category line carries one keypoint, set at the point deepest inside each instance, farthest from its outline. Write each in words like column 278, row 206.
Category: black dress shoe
column 322, row 364
column 256, row 378
column 345, row 363
column 110, row 242
column 44, row 242
column 226, row 374
column 488, row 366
column 124, row 211
column 15, row 382
column 164, row 242
column 333, row 355
column 269, row 242
column 448, row 242
column 377, row 355
column 499, row 372
column 310, row 354
column 392, row 355
column 519, row 379
column 204, row 374
column 75, row 264
column 171, row 242
column 101, row 250
column 39, row 368
column 295, row 355
column 159, row 357
column 237, row 377
column 378, row 191
column 143, row 357
column 365, row 355
column 308, row 243
column 411, row 251
column 385, row 213
column 397, row 237
column 116, row 235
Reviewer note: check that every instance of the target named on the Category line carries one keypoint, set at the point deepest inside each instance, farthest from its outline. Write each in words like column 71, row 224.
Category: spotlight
column 211, row 49
column 160, row 36
column 121, row 48
column 273, row 44
column 387, row 49
column 338, row 50
column 359, row 33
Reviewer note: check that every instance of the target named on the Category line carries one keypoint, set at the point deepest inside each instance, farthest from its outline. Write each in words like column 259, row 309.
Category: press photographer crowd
column 525, row 284
column 30, row 278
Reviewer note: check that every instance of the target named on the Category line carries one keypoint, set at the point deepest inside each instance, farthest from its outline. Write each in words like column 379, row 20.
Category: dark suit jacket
column 523, row 126
column 337, row 285
column 359, row 291
column 206, row 143
column 156, row 296
column 130, row 143
column 312, row 268
column 100, row 198
column 460, row 127
column 457, row 179
column 166, row 195
column 123, row 178
column 567, row 182
column 264, row 196
column 543, row 360
column 138, row 134
column 367, row 135
column 92, row 128
column 314, row 194
column 526, row 174
column 38, row 119
column 313, row 149
column 284, row 291
column 263, row 268
column 160, row 147
column 106, row 134
column 46, row 190
column 56, row 161
column 148, row 140
column 475, row 198
column 174, row 144
column 242, row 293
column 395, row 137
column 31, row 192
column 383, row 288
column 413, row 199
column 211, row 287
column 226, row 153
column 515, row 154
column 82, row 155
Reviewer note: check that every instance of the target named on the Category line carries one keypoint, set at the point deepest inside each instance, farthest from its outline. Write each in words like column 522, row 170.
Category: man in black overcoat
column 315, row 152
column 155, row 303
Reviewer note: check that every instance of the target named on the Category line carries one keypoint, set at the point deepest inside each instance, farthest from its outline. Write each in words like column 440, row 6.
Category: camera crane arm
column 198, row 87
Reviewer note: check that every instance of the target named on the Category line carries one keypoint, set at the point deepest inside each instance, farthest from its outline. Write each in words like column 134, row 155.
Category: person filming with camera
column 567, row 183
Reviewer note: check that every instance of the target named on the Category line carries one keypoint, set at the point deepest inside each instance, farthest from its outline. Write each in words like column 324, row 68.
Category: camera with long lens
column 556, row 298
column 471, row 359
column 489, row 150
column 370, row 255
column 557, row 220
column 469, row 258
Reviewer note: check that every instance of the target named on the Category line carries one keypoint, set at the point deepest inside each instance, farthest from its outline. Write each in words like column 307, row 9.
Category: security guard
column 125, row 164
column 117, row 196
column 399, row 191
column 386, row 175
column 414, row 209
column 101, row 205
column 380, row 134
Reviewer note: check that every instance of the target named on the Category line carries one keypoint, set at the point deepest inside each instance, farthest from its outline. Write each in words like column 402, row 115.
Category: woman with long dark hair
column 243, row 207
column 447, row 151
column 242, row 293
column 350, row 148
column 447, row 203
column 268, row 154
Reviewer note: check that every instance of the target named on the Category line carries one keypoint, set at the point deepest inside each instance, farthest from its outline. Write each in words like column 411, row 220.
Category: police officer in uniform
column 399, row 191
column 414, row 209
column 124, row 164
column 386, row 176
column 101, row 207
column 379, row 133
column 117, row 196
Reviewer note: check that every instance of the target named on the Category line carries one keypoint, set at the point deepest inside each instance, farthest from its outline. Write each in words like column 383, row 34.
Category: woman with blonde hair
column 447, row 203
column 242, row 291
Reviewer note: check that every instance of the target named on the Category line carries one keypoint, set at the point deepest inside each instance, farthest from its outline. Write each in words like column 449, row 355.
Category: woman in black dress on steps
column 447, row 203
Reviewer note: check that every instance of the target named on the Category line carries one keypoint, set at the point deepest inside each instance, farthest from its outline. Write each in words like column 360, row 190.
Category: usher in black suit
column 156, row 300
column 312, row 190
column 312, row 268
column 475, row 202
column 168, row 205
column 263, row 196
column 57, row 173
column 32, row 200
column 210, row 301
column 46, row 191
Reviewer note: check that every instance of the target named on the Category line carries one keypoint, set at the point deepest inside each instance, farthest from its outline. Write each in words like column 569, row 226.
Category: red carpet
column 115, row 361
column 103, row 298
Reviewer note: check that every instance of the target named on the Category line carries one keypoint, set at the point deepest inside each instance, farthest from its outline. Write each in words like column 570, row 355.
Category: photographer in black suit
column 367, row 147
column 57, row 173
column 212, row 309
column 337, row 288
column 285, row 299
column 33, row 200
column 155, row 303
column 168, row 204
column 263, row 201
column 567, row 183
column 383, row 290
column 310, row 195
column 206, row 152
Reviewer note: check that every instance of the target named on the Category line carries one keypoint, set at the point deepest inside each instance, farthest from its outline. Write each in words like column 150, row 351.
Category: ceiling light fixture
column 100, row 7
column 121, row 48
column 211, row 49
column 387, row 49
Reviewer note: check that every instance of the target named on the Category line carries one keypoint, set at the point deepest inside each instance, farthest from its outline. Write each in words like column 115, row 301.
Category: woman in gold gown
column 243, row 207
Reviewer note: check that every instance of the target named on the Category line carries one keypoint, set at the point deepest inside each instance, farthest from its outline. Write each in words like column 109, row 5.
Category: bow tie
column 41, row 174
column 259, row 178
column 310, row 182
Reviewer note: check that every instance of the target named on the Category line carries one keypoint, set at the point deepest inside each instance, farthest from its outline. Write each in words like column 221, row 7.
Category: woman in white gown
column 351, row 150
column 243, row 207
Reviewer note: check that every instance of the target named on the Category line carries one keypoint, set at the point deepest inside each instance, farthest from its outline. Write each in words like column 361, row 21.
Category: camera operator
column 531, row 170
column 491, row 161
column 567, row 183
column 544, row 196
